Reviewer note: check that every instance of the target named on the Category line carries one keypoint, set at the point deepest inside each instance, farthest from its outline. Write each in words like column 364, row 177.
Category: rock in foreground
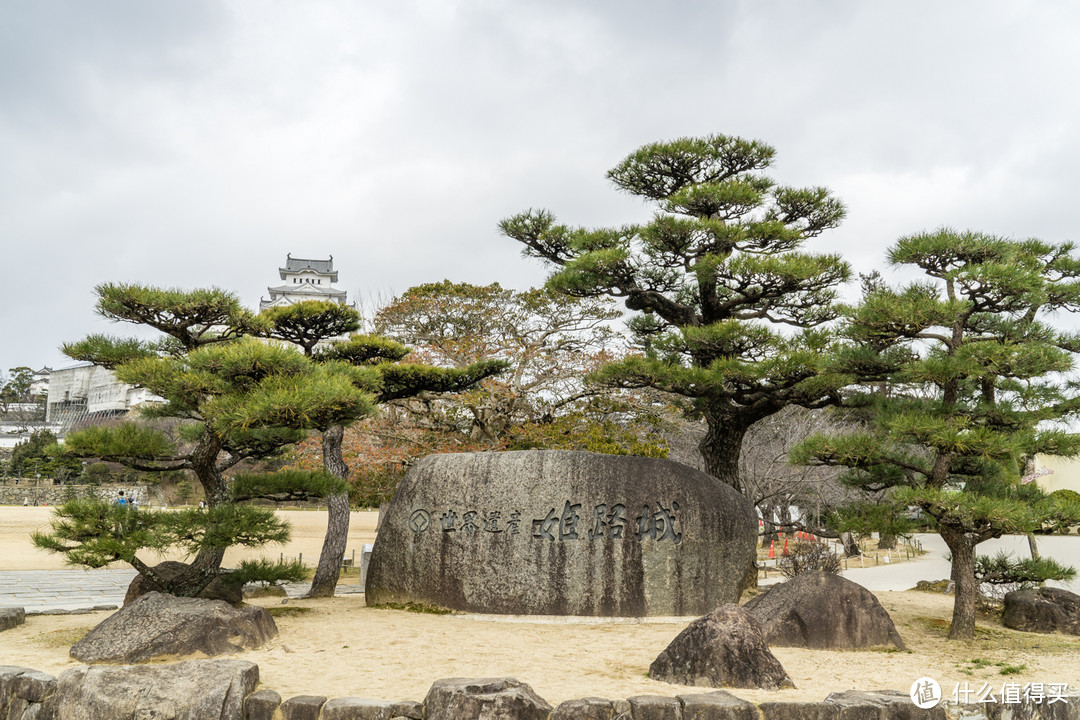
column 562, row 533
column 11, row 617
column 823, row 611
column 191, row 690
column 488, row 698
column 726, row 648
column 897, row 704
column 159, row 626
column 24, row 693
column 1043, row 610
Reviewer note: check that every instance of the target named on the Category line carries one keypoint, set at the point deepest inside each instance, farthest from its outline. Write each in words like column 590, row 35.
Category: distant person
column 121, row 500
column 202, row 504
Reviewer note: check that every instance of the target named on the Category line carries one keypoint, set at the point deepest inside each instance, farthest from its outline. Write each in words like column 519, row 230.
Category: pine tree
column 310, row 322
column 960, row 387
column 715, row 274
column 235, row 398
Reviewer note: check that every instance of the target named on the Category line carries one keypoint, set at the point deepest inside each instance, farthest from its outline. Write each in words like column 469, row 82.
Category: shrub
column 184, row 491
column 376, row 485
column 1066, row 494
column 999, row 574
column 808, row 557
column 97, row 473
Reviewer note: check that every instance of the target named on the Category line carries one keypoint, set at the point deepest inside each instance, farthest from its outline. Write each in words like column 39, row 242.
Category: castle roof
column 305, row 279
column 321, row 267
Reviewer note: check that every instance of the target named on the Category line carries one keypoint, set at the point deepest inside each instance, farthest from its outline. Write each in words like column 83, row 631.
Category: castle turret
column 304, row 279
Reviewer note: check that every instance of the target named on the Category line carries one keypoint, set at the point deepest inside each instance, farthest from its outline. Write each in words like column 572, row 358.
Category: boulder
column 159, row 626
column 718, row 705
column 726, row 648
column 488, row 698
column 590, row 708
column 823, row 611
column 1063, row 706
column 190, row 690
column 218, row 589
column 562, row 533
column 34, row 686
column 302, row 707
column 946, row 587
column 22, row 692
column 654, row 707
column 262, row 705
column 356, row 708
column 896, row 705
column 798, row 711
column 8, row 674
column 11, row 617
column 1043, row 610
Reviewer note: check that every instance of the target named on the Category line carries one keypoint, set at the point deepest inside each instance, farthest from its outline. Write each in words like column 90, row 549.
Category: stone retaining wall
column 40, row 492
column 26, row 694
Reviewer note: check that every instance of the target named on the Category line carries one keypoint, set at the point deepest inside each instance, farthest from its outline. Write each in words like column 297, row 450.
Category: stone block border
column 27, row 694
column 11, row 617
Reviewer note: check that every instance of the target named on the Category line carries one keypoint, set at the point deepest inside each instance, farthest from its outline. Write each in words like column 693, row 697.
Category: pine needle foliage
column 109, row 351
column 361, row 349
column 310, row 322
column 95, row 533
column 129, row 441
column 287, row 486
column 959, row 381
column 269, row 572
column 714, row 276
column 191, row 317
column 237, row 397
column 1007, row 573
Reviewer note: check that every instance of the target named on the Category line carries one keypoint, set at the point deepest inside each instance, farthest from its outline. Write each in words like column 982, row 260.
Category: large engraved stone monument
column 562, row 533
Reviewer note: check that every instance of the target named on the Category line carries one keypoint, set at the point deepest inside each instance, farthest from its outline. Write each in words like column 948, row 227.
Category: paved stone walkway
column 51, row 590
column 44, row 591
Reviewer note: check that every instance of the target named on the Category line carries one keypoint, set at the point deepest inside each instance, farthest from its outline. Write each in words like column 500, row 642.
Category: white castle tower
column 304, row 279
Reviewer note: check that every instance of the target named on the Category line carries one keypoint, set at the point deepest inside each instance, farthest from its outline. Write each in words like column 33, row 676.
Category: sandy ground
column 339, row 647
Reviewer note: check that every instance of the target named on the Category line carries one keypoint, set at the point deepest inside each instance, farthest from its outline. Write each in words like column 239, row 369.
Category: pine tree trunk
column 886, row 541
column 770, row 530
column 204, row 465
column 1033, row 546
column 720, row 448
column 337, row 524
column 207, row 563
column 965, row 586
column 851, row 548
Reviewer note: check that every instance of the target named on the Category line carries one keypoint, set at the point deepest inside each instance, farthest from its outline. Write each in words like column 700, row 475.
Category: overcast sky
column 196, row 143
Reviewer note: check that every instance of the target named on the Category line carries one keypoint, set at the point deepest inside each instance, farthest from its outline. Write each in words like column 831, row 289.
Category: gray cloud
column 193, row 144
